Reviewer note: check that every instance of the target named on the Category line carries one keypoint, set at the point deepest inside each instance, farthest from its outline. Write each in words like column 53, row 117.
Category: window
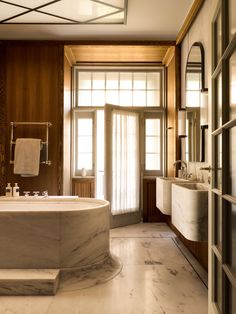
column 153, row 144
column 123, row 88
column 84, row 138
column 138, row 89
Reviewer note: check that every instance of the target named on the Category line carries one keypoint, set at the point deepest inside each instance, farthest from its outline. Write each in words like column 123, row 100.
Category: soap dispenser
column 8, row 189
column 16, row 190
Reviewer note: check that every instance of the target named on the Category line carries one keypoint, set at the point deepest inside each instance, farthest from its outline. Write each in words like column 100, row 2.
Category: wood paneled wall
column 173, row 103
column 33, row 88
column 2, row 121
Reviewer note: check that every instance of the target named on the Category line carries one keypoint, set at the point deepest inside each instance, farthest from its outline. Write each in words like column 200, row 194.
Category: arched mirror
column 195, row 144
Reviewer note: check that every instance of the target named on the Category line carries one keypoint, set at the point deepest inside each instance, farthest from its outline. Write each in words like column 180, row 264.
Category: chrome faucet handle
column 36, row 193
column 45, row 193
column 26, row 193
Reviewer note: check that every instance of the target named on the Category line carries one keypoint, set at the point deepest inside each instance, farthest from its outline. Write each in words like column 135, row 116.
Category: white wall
column 200, row 31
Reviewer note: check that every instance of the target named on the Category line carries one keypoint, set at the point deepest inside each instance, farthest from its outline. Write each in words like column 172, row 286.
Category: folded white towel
column 27, row 156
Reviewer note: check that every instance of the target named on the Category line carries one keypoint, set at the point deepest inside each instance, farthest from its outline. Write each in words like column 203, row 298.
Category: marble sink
column 163, row 193
column 190, row 210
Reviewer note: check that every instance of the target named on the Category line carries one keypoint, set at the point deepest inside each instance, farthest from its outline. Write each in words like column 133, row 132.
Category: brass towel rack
column 47, row 125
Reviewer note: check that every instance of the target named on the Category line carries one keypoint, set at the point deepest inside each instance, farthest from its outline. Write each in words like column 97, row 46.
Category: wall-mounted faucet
column 183, row 168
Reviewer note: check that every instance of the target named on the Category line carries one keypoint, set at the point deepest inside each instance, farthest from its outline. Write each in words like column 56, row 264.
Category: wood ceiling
column 117, row 53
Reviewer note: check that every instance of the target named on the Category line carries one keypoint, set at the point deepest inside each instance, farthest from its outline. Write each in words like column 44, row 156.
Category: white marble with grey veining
column 43, row 235
column 84, row 237
column 190, row 210
column 29, row 281
column 155, row 278
column 29, row 240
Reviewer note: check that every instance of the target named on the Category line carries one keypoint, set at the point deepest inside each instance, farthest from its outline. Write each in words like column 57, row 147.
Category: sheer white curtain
column 125, row 162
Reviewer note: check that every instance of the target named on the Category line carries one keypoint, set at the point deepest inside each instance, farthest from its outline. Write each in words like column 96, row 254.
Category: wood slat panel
column 34, row 93
column 83, row 187
column 150, row 211
column 2, row 121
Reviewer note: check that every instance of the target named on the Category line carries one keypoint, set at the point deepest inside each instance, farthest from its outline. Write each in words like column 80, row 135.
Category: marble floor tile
column 155, row 278
column 143, row 230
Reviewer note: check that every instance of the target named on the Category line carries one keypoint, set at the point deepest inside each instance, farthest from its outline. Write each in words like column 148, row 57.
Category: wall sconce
column 182, row 114
column 203, row 120
column 204, row 107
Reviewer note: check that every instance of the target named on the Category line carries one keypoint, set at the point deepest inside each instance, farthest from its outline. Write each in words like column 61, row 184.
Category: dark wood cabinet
column 150, row 211
column 83, row 187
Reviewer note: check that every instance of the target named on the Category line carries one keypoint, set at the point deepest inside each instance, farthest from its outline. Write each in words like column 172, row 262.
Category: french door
column 222, row 292
column 122, row 164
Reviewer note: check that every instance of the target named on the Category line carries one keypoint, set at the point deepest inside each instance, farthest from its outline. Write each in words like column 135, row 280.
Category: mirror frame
column 198, row 44
column 203, row 88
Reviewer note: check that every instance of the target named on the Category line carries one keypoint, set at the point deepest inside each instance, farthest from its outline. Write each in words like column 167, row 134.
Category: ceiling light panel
column 63, row 11
column 7, row 10
column 78, row 10
column 37, row 18
column 31, row 4
column 115, row 18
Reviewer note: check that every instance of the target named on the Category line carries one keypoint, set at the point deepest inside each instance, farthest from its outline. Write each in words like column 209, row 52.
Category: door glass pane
column 232, row 18
column 218, row 165
column 84, row 145
column 152, row 144
column 100, row 155
column 218, row 222
column 232, row 299
column 232, row 160
column 218, row 37
column 232, row 79
column 218, row 284
column 219, row 101
column 233, row 238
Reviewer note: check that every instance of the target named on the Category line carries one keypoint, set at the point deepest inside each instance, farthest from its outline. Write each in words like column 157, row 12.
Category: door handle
column 209, row 168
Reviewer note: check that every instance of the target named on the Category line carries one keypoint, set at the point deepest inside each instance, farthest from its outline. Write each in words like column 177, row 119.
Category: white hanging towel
column 27, row 157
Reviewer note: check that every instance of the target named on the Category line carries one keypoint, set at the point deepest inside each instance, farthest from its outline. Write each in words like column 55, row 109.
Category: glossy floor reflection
column 155, row 278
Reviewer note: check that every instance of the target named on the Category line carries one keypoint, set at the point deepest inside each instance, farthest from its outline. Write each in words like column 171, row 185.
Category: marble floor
column 155, row 278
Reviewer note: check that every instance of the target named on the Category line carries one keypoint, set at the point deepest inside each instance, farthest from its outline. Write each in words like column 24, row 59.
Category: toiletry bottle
column 16, row 190
column 8, row 189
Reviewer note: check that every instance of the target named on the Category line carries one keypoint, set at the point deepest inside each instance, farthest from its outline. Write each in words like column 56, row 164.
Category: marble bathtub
column 67, row 235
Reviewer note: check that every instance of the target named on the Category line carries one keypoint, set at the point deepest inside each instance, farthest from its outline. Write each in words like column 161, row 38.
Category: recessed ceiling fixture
column 63, row 11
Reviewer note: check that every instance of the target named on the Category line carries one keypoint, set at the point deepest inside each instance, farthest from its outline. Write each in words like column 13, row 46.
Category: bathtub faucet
column 45, row 194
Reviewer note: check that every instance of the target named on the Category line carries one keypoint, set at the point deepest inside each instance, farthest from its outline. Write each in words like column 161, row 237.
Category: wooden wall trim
column 93, row 42
column 189, row 20
column 69, row 55
column 169, row 56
